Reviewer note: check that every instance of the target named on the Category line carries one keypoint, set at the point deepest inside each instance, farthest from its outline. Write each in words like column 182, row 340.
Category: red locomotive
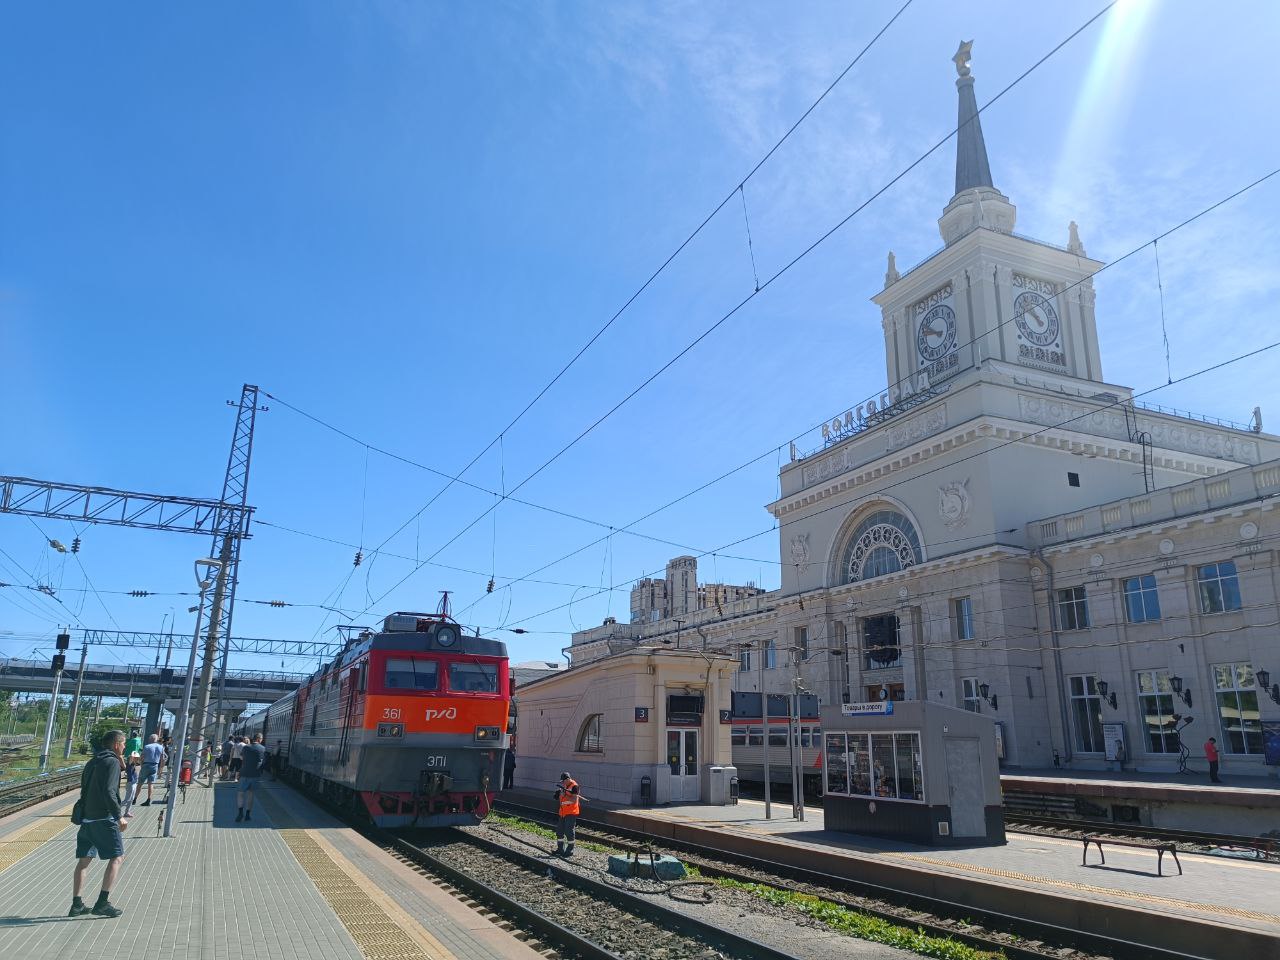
column 408, row 724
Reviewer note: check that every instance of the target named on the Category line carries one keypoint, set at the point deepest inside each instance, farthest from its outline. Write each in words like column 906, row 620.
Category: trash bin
column 717, row 788
column 646, row 791
column 185, row 777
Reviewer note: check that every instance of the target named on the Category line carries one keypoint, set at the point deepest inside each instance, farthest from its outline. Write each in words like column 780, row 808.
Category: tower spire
column 977, row 203
column 972, row 167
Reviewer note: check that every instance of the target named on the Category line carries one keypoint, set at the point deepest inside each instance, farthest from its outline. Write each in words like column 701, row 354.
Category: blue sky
column 404, row 218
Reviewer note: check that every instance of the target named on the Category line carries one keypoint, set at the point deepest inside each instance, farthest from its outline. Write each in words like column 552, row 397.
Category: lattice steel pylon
column 230, row 527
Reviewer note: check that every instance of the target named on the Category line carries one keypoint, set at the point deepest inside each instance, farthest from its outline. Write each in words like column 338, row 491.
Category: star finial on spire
column 962, row 57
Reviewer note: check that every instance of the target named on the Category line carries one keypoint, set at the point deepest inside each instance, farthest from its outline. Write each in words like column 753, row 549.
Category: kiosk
column 912, row 770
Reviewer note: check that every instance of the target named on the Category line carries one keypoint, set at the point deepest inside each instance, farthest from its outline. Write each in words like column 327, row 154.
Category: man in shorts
column 253, row 760
column 100, row 825
column 153, row 761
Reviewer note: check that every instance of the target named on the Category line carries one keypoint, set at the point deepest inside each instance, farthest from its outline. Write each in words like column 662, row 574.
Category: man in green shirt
column 134, row 743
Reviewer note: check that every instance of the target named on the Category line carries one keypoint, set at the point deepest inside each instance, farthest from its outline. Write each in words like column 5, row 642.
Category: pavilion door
column 682, row 760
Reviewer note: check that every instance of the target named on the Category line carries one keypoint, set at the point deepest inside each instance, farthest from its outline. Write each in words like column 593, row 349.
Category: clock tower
column 988, row 294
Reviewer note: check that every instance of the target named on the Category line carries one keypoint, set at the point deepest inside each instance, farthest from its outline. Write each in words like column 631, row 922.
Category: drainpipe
column 1057, row 656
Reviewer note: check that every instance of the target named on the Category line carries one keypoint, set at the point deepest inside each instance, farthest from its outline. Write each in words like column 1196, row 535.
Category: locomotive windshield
column 407, row 674
column 473, row 677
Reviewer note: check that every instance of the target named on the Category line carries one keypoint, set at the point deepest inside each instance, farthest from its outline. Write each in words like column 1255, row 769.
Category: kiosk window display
column 912, row 770
column 875, row 765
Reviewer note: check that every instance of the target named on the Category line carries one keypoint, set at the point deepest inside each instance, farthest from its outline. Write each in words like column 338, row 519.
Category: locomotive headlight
column 488, row 733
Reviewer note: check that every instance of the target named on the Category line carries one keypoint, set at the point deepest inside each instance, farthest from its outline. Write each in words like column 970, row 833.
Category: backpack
column 77, row 811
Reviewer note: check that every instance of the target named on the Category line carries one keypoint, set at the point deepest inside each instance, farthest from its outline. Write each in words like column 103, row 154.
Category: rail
column 890, row 904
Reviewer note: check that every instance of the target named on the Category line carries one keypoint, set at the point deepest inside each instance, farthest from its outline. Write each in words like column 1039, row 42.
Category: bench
column 1161, row 848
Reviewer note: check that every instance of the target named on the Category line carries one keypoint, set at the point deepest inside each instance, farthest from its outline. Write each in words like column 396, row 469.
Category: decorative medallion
column 1166, row 546
column 1097, row 560
column 1248, row 530
column 954, row 502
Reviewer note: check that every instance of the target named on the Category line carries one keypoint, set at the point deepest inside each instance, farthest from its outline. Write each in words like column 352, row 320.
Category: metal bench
column 1160, row 847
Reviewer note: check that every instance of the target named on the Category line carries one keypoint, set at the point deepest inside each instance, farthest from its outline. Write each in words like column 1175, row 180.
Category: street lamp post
column 175, row 777
column 764, row 719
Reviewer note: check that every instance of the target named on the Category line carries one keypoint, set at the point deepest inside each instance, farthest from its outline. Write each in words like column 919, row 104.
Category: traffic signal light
column 64, row 641
column 59, row 661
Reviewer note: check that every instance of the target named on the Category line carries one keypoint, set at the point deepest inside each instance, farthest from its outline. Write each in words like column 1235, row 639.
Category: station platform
column 291, row 883
column 1242, row 805
column 1226, row 906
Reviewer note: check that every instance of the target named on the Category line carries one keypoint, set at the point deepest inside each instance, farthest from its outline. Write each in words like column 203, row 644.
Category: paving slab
column 287, row 885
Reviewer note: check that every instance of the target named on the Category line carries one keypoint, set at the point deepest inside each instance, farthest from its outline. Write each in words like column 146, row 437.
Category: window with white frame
column 1218, row 586
column 744, row 660
column 1155, row 703
column 1141, row 599
column 802, row 643
column 1086, row 712
column 1073, row 609
column 963, row 610
column 1237, row 694
column 970, row 698
column 771, row 654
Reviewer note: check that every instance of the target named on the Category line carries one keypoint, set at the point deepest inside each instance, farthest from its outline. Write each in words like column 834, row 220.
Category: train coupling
column 434, row 783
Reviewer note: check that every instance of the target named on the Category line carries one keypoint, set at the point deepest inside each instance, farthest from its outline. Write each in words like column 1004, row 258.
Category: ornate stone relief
column 1053, row 412
column 954, row 503
column 918, row 427
column 800, row 551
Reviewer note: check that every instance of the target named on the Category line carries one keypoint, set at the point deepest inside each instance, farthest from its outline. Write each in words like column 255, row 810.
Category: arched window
column 589, row 735
column 884, row 542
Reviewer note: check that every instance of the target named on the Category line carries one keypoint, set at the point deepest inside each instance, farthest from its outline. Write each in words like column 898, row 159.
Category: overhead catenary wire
column 946, row 466
column 1154, row 240
column 774, row 278
column 659, row 271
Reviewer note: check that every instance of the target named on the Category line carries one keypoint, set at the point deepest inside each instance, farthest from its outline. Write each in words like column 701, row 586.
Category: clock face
column 937, row 334
column 1036, row 319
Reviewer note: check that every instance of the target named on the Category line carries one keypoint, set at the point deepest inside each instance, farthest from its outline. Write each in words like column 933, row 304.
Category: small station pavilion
column 647, row 726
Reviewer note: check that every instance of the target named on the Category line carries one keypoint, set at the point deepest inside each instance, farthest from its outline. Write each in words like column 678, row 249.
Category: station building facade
column 1003, row 530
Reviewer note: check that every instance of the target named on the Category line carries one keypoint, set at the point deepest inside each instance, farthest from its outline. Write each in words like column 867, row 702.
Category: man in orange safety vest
column 568, row 798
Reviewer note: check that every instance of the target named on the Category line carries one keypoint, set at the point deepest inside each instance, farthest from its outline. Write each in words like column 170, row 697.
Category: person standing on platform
column 568, row 797
column 509, row 769
column 131, row 765
column 1211, row 754
column 237, row 752
column 101, row 821
column 153, row 761
column 224, row 759
column 253, row 760
column 133, row 744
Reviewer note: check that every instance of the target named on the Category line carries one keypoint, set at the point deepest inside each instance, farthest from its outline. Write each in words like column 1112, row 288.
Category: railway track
column 569, row 912
column 1017, row 937
column 26, row 793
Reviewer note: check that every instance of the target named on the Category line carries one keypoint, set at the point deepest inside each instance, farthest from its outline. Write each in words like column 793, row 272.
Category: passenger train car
column 748, row 740
column 408, row 724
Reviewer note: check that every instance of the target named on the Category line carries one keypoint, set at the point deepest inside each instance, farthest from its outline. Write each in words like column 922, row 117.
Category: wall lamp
column 1264, row 680
column 1107, row 694
column 1175, row 684
column 983, row 690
